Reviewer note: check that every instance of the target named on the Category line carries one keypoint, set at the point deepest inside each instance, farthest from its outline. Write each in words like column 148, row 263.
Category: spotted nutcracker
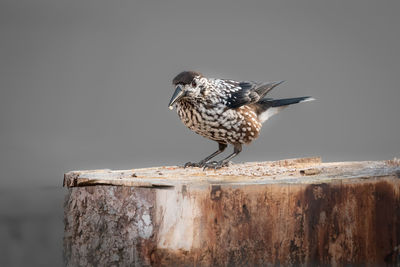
column 226, row 111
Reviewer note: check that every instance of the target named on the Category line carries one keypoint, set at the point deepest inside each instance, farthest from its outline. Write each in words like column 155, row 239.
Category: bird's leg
column 222, row 163
column 221, row 148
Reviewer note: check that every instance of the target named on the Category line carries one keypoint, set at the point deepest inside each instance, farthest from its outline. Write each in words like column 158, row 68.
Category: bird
column 226, row 111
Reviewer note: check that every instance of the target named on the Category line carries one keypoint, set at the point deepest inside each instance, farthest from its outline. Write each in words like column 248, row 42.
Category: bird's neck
column 189, row 102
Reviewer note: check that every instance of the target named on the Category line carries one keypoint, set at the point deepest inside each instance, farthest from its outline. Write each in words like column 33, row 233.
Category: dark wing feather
column 247, row 92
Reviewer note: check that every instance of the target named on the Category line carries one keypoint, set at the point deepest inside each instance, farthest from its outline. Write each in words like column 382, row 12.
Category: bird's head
column 187, row 84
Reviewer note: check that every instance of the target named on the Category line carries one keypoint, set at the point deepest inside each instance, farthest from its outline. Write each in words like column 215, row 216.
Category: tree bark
column 290, row 212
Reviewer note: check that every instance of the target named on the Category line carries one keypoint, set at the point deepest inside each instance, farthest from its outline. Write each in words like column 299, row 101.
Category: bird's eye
column 194, row 84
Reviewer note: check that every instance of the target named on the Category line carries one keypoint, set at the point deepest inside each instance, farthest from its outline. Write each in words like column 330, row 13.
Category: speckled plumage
column 226, row 111
column 219, row 123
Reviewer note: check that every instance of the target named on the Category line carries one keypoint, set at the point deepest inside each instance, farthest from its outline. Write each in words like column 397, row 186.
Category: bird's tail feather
column 268, row 107
column 290, row 101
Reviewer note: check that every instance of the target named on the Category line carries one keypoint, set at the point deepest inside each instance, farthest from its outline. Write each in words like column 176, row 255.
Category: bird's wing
column 246, row 92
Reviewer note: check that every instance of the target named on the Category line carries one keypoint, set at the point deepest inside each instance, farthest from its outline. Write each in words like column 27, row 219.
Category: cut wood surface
column 291, row 212
column 302, row 170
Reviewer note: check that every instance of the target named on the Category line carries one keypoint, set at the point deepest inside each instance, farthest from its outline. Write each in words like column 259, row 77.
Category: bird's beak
column 178, row 94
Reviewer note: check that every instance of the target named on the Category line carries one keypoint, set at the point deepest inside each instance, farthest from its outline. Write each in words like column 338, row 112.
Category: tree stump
column 289, row 212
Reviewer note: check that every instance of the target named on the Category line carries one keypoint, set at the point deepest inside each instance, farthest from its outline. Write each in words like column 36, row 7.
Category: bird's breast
column 219, row 123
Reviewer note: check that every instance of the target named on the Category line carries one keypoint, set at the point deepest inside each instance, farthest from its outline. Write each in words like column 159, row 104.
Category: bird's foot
column 216, row 164
column 193, row 164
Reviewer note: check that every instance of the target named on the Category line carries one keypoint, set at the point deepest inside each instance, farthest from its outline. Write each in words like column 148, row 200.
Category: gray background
column 85, row 85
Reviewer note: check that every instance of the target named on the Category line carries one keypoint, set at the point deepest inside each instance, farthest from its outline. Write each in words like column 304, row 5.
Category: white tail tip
column 308, row 99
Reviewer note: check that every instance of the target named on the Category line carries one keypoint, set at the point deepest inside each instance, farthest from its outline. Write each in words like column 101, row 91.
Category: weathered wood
column 291, row 212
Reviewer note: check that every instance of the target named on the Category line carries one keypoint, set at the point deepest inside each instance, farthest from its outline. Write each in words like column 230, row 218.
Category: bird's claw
column 193, row 164
column 216, row 165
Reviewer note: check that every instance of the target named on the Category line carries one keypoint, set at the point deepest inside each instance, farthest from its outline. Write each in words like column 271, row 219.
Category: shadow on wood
column 289, row 212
